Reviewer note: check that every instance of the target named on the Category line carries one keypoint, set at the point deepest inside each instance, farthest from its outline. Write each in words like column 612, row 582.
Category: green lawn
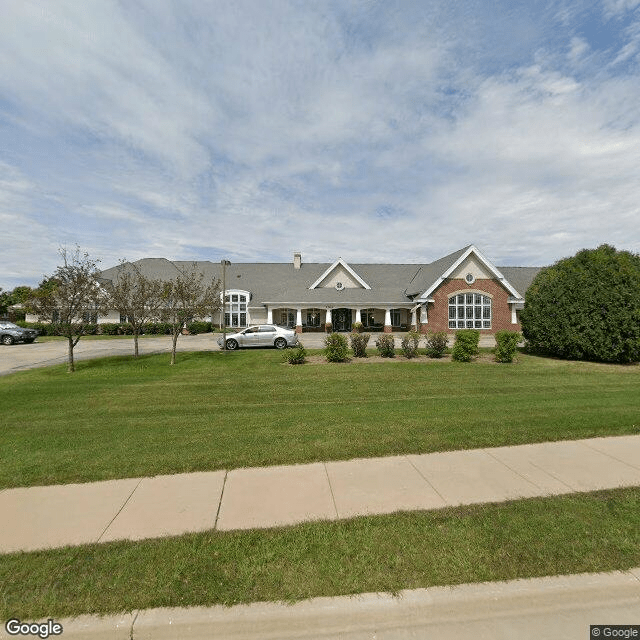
column 120, row 417
column 542, row 536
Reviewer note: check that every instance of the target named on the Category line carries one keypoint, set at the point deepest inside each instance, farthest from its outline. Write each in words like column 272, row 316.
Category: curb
column 539, row 608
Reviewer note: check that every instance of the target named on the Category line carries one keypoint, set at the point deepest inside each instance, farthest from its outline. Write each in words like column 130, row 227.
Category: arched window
column 469, row 311
column 235, row 308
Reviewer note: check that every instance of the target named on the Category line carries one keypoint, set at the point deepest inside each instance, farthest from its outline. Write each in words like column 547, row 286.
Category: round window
column 469, row 278
column 339, row 286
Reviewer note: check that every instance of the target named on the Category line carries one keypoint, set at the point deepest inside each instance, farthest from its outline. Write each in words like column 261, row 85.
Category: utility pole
column 225, row 264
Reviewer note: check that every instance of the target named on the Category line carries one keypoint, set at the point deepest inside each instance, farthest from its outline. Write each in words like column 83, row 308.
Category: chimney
column 297, row 260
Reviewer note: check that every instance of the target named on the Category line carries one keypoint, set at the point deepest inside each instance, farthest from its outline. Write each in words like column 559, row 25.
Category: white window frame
column 236, row 312
column 470, row 310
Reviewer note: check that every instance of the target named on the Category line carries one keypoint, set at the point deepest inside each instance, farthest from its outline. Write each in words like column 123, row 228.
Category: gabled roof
column 333, row 267
column 457, row 261
column 427, row 274
column 282, row 284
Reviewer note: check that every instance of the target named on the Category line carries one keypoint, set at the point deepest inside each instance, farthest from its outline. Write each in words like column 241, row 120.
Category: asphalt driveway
column 43, row 354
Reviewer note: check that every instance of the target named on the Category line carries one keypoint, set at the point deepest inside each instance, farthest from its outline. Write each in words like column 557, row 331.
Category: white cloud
column 250, row 129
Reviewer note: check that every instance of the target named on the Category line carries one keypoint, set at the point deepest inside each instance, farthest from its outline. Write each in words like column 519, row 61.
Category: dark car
column 11, row 333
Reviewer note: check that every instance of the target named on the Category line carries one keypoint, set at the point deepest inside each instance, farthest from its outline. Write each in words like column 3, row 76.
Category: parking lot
column 44, row 354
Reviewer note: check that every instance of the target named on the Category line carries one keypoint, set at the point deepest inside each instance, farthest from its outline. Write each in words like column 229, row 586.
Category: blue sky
column 377, row 131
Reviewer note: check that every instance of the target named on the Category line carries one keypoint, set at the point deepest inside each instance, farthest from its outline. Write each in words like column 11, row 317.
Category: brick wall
column 438, row 311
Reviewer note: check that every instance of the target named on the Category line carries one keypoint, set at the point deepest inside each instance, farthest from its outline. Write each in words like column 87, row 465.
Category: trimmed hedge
column 117, row 328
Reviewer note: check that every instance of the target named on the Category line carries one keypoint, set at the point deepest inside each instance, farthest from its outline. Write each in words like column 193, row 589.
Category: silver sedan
column 262, row 335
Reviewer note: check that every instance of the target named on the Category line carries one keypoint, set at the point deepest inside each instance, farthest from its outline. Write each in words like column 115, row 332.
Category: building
column 461, row 290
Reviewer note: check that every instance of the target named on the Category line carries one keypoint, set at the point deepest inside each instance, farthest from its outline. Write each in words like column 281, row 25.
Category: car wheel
column 7, row 339
column 232, row 344
column 280, row 343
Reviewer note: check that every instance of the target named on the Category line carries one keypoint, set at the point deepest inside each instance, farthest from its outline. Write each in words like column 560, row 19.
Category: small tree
column 187, row 296
column 586, row 307
column 136, row 297
column 72, row 297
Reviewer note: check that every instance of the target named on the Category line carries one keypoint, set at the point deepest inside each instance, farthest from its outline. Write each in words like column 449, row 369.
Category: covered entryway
column 341, row 319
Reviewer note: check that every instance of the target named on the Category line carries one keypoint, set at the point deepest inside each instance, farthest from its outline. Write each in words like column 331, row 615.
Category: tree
column 188, row 296
column 73, row 296
column 136, row 297
column 5, row 301
column 18, row 296
column 586, row 307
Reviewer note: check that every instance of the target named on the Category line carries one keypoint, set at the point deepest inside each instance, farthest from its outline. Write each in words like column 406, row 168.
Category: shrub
column 586, row 307
column 157, row 328
column 328, row 327
column 296, row 356
column 386, row 345
column 125, row 329
column 199, row 326
column 465, row 347
column 336, row 349
column 109, row 329
column 359, row 342
column 506, row 345
column 437, row 342
column 357, row 327
column 410, row 343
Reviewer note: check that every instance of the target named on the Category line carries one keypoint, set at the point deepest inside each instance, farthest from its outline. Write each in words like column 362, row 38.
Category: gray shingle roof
column 520, row 277
column 281, row 283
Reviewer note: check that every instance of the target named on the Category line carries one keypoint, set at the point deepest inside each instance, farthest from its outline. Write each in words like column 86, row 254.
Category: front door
column 341, row 319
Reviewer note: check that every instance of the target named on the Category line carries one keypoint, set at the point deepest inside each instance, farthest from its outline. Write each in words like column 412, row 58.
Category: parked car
column 262, row 335
column 11, row 333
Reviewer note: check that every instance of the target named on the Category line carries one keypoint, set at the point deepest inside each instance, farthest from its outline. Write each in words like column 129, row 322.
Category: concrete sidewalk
column 137, row 508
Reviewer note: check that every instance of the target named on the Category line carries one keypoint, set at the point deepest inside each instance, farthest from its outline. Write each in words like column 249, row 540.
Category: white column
column 514, row 316
column 328, row 319
column 423, row 314
column 358, row 315
column 414, row 317
column 387, row 317
column 298, row 317
column 269, row 315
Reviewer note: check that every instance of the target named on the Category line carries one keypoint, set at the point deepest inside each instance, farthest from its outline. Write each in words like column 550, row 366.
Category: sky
column 376, row 131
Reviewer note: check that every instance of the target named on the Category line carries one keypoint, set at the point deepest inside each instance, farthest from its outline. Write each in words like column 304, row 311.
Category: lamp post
column 225, row 264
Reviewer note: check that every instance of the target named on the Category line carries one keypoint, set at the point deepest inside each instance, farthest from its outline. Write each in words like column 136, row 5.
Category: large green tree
column 586, row 307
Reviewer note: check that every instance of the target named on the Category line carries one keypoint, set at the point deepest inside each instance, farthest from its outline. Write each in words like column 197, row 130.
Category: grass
column 119, row 417
column 527, row 538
